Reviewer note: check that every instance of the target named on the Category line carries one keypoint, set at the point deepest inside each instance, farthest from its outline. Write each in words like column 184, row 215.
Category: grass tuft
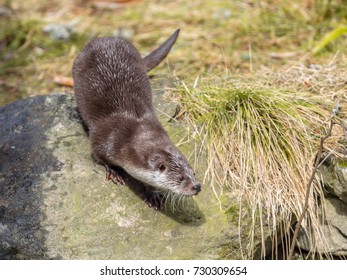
column 329, row 37
column 16, row 42
column 260, row 144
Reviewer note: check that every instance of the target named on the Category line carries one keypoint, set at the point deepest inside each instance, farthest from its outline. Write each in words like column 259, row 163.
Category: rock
column 5, row 11
column 335, row 230
column 334, row 173
column 60, row 32
column 55, row 202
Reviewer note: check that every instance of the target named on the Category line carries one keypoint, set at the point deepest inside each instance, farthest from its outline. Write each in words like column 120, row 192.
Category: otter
column 114, row 99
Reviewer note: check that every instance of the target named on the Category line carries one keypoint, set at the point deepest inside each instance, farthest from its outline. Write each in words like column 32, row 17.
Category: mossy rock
column 55, row 202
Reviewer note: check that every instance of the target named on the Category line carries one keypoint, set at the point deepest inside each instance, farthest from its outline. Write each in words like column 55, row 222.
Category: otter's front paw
column 112, row 173
column 154, row 199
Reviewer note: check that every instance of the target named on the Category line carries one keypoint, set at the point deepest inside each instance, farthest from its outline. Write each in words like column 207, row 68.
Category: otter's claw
column 154, row 200
column 113, row 174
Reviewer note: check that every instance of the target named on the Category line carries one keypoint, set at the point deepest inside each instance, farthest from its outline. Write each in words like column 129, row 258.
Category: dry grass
column 261, row 140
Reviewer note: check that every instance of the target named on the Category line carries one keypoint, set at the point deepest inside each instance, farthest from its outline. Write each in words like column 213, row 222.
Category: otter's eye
column 162, row 168
column 181, row 178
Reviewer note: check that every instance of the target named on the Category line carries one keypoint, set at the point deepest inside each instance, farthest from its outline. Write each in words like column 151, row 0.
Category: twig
column 344, row 128
column 308, row 190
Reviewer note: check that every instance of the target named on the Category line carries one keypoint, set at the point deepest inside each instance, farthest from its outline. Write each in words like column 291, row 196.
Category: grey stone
column 55, row 202
column 5, row 11
column 58, row 32
column 334, row 173
column 335, row 230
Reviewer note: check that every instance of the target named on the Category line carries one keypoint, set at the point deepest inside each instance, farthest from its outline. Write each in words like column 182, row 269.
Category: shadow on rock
column 183, row 210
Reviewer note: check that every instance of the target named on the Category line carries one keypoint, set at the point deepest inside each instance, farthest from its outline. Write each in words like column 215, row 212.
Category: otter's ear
column 156, row 162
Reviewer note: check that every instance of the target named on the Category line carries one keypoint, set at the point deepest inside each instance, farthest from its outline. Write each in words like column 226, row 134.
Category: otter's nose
column 197, row 188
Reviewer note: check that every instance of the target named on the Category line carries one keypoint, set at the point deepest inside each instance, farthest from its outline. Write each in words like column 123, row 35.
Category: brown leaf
column 63, row 81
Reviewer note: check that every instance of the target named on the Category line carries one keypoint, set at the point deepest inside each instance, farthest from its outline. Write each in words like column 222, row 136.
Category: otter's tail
column 155, row 57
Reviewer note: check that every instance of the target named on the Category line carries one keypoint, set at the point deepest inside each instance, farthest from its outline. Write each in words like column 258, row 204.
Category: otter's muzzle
column 197, row 188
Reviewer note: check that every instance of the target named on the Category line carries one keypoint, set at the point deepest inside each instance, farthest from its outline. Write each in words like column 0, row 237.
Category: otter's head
column 167, row 169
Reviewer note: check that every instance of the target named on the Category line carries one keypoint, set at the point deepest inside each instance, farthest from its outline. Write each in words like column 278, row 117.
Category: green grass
column 25, row 43
column 32, row 57
column 16, row 37
column 329, row 38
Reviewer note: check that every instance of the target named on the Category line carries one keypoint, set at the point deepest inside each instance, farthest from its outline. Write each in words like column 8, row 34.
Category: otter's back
column 110, row 76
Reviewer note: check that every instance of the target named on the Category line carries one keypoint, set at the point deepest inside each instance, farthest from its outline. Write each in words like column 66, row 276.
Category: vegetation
column 261, row 144
column 217, row 36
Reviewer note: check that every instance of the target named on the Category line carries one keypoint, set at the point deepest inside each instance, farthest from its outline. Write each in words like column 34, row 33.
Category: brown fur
column 114, row 99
